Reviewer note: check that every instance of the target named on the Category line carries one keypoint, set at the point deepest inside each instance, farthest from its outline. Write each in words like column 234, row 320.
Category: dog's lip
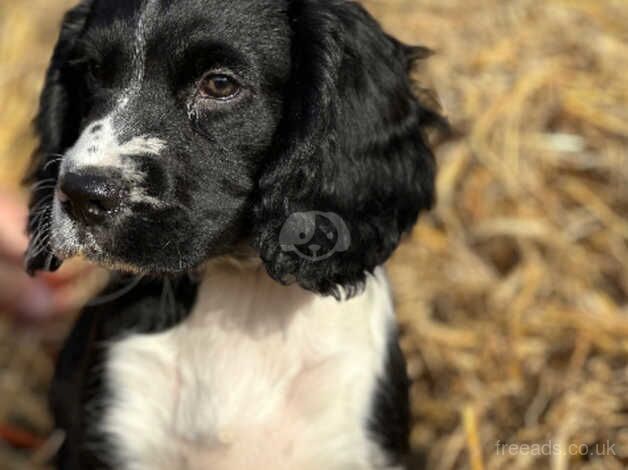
column 87, row 248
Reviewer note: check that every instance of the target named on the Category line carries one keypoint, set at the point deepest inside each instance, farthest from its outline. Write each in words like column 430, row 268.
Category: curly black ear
column 352, row 143
column 57, row 126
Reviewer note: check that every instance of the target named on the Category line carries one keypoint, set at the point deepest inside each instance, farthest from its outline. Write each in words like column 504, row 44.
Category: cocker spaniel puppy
column 253, row 163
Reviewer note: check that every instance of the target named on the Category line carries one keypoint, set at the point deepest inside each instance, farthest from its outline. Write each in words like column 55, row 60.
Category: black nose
column 89, row 198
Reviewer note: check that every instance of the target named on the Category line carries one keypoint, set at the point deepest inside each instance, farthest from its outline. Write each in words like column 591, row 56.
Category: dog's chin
column 67, row 241
column 75, row 243
column 95, row 254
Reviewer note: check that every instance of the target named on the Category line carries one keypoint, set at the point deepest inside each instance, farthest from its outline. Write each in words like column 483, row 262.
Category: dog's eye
column 94, row 69
column 100, row 74
column 218, row 86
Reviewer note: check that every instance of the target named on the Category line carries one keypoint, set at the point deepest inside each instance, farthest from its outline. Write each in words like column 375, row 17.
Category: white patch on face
column 258, row 376
column 99, row 146
column 139, row 55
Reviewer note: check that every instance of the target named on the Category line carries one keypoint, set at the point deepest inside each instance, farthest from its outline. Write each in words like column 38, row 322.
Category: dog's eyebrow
column 213, row 51
column 200, row 56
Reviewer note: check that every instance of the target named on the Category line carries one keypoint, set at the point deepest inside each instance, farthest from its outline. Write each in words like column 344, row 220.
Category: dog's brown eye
column 218, row 86
column 100, row 74
column 95, row 70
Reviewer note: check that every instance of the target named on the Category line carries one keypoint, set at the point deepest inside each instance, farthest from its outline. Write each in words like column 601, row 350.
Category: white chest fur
column 259, row 376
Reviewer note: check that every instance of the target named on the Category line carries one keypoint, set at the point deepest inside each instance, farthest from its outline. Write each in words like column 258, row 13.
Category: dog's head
column 173, row 131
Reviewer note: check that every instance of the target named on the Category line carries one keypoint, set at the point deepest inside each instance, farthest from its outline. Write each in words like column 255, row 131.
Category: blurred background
column 512, row 294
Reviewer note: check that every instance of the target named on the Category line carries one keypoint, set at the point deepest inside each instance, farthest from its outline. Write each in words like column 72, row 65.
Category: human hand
column 45, row 295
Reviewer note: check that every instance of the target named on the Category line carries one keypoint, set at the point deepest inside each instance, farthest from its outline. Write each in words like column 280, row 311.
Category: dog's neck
column 236, row 290
column 255, row 365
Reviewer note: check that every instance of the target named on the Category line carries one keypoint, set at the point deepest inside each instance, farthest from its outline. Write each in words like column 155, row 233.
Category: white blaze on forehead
column 99, row 144
column 148, row 10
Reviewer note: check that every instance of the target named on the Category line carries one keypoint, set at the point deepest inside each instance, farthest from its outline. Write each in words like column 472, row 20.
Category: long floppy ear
column 352, row 143
column 57, row 126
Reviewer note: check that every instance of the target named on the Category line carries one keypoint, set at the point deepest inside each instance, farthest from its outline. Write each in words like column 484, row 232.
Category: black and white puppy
column 254, row 163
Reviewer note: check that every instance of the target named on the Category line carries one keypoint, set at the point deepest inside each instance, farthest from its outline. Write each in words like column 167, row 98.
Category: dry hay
column 513, row 293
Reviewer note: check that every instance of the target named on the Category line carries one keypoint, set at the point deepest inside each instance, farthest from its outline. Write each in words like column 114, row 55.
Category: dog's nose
column 89, row 198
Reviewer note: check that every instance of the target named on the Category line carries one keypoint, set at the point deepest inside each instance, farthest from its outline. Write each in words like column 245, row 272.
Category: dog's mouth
column 95, row 243
column 139, row 239
column 84, row 244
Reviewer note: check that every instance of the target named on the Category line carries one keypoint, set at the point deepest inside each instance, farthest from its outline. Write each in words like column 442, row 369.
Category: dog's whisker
column 41, row 237
column 43, row 201
column 38, row 211
column 42, row 234
column 53, row 160
column 49, row 163
column 37, row 251
column 43, row 224
column 115, row 295
column 39, row 247
column 42, row 182
column 39, row 215
column 44, row 187
column 32, row 246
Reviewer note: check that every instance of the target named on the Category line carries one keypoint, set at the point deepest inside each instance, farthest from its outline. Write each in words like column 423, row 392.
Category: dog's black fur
column 325, row 119
column 79, row 391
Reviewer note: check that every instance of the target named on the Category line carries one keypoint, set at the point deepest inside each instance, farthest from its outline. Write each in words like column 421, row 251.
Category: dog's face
column 173, row 131
column 179, row 104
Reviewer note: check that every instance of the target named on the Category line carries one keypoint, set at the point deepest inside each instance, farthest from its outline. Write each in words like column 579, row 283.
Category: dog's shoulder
column 78, row 392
